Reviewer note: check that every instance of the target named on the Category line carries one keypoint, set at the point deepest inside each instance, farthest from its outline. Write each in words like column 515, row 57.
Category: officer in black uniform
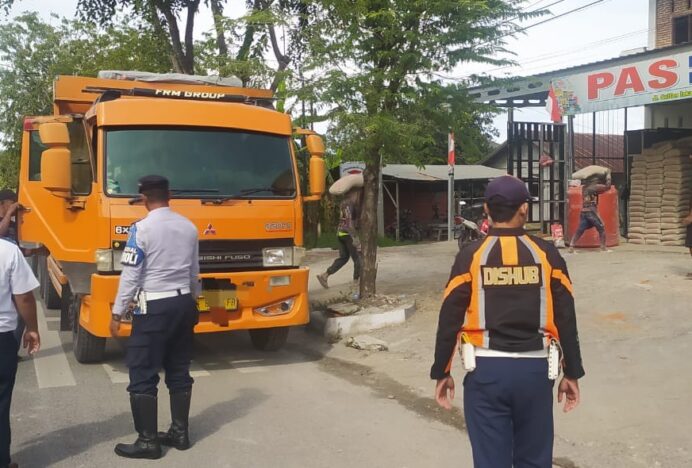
column 160, row 273
column 509, row 300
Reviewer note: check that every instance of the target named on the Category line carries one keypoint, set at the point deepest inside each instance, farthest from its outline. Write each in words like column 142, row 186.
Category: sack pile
column 661, row 187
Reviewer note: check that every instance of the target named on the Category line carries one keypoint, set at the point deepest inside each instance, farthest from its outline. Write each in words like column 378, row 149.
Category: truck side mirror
column 318, row 168
column 56, row 166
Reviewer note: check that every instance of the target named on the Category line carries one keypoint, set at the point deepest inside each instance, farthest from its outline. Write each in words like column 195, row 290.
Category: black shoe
column 144, row 413
column 178, row 436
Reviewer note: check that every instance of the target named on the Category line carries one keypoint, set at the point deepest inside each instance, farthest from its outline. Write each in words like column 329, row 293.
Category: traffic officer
column 160, row 273
column 17, row 284
column 509, row 300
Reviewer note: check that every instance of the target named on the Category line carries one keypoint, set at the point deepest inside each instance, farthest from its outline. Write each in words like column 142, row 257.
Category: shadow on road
column 62, row 444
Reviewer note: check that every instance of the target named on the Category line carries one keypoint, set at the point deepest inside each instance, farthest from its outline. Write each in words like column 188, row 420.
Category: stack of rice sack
column 653, row 195
column 637, row 203
column 660, row 193
column 677, row 191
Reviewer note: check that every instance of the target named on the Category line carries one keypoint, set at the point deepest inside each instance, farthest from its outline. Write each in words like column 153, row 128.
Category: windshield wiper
column 251, row 191
column 138, row 198
column 242, row 194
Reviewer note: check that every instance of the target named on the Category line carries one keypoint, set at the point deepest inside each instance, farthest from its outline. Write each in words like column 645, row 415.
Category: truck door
column 62, row 220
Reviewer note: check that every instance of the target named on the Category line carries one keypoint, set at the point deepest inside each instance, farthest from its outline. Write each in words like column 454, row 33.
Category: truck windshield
column 200, row 163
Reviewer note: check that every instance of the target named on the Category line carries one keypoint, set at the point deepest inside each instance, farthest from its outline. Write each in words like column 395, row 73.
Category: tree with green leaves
column 374, row 63
column 33, row 52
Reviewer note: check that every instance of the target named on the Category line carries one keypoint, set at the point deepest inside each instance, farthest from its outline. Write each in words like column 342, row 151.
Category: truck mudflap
column 260, row 299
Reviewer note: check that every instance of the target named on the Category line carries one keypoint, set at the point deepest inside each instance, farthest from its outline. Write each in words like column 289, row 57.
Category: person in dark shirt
column 509, row 304
column 589, row 217
column 347, row 235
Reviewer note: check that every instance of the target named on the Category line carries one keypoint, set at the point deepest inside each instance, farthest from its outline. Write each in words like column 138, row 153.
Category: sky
column 596, row 33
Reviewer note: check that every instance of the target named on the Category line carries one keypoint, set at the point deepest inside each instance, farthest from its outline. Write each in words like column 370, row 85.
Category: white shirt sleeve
column 22, row 279
column 195, row 283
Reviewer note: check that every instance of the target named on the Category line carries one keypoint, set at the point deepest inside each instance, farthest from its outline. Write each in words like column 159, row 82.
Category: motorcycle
column 465, row 230
column 408, row 229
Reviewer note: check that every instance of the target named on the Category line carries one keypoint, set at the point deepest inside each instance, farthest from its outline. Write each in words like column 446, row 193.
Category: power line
column 576, row 10
column 546, row 57
column 561, row 15
column 569, row 51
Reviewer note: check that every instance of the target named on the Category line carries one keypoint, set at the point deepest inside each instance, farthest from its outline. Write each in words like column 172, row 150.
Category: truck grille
column 230, row 255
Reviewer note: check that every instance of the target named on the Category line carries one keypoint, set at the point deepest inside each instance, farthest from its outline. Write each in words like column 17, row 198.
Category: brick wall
column 666, row 10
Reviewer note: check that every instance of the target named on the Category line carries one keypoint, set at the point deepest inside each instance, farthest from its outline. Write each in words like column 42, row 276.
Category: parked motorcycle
column 408, row 228
column 465, row 230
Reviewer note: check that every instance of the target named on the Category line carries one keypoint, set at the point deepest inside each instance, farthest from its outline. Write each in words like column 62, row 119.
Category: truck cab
column 233, row 168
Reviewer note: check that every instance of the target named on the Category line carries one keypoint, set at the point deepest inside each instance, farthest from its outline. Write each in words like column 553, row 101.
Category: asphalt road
column 249, row 409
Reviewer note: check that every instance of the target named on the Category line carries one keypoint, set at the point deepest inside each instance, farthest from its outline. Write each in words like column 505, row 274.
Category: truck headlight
column 279, row 308
column 108, row 260
column 104, row 260
column 282, row 256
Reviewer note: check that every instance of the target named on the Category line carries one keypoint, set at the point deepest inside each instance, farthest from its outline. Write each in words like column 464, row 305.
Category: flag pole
column 450, row 188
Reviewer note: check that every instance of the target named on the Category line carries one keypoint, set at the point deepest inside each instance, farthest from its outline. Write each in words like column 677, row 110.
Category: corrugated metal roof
column 439, row 172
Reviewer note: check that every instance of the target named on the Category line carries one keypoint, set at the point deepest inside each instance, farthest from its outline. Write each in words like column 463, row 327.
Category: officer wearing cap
column 160, row 273
column 509, row 302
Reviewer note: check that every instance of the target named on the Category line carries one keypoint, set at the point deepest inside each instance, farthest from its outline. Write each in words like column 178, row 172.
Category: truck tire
column 50, row 296
column 269, row 339
column 87, row 347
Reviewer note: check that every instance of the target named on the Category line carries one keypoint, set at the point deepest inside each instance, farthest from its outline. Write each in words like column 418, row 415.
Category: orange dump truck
column 235, row 170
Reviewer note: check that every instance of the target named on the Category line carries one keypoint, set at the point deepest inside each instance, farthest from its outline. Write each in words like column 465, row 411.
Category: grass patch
column 328, row 240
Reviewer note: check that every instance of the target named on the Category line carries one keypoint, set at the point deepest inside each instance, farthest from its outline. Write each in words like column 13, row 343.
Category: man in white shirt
column 17, row 283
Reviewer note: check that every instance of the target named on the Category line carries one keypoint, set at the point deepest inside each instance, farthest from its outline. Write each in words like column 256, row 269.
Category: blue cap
column 152, row 182
column 507, row 190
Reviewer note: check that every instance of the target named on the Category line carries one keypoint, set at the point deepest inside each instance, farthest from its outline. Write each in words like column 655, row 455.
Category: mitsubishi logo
column 209, row 231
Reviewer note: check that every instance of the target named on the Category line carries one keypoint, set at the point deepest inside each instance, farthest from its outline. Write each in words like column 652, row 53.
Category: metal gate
column 537, row 155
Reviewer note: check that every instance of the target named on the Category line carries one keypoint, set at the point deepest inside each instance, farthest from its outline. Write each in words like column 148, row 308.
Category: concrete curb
column 336, row 328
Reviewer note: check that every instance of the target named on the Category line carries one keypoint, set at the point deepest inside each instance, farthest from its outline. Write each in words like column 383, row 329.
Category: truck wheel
column 87, row 347
column 269, row 339
column 49, row 294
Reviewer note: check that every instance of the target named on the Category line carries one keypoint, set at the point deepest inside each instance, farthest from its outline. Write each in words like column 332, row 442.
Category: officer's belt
column 154, row 296
column 485, row 352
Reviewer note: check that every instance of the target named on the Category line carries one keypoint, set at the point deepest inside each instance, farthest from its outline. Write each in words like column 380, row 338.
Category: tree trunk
column 368, row 224
column 217, row 12
column 189, row 38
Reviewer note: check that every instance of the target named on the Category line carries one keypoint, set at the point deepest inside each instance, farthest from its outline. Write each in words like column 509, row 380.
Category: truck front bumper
column 254, row 290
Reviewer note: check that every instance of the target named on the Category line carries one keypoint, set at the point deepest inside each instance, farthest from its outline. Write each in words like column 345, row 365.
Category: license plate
column 231, row 303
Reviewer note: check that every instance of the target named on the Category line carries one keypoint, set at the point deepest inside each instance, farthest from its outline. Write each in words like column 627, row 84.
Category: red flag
column 553, row 107
column 450, row 150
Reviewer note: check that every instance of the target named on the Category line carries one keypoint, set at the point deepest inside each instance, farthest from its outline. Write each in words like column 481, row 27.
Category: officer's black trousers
column 162, row 339
column 508, row 406
column 8, row 371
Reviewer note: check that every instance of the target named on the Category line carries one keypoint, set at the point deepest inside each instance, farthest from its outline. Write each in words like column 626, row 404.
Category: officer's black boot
column 178, row 436
column 144, row 413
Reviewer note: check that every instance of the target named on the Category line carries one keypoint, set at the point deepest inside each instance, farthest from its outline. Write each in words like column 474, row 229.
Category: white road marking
column 244, row 366
column 118, row 373
column 198, row 371
column 50, row 364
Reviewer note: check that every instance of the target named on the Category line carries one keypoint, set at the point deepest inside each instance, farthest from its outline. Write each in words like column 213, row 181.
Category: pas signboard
column 648, row 81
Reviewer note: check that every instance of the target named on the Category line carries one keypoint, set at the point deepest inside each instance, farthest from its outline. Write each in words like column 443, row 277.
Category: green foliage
column 34, row 52
column 375, row 63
